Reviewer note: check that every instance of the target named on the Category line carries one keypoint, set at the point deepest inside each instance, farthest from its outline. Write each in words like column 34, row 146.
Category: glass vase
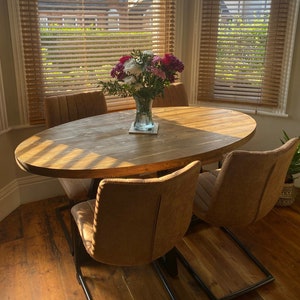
column 143, row 118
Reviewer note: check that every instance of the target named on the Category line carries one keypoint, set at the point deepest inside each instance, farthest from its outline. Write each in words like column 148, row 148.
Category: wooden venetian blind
column 243, row 49
column 69, row 45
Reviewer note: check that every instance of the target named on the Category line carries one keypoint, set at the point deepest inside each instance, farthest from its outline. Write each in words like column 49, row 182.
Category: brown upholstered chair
column 135, row 221
column 66, row 108
column 243, row 191
column 174, row 95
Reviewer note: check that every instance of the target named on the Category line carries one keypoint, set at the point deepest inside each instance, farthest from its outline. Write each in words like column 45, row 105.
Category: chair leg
column 156, row 265
column 63, row 225
column 195, row 276
column 78, row 253
column 169, row 262
column 268, row 276
column 78, row 248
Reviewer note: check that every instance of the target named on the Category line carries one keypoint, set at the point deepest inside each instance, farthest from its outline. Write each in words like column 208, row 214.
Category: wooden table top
column 100, row 146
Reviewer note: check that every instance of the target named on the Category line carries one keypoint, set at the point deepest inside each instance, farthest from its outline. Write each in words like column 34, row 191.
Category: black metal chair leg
column 162, row 277
column 195, row 276
column 268, row 276
column 169, row 262
column 78, row 253
column 91, row 195
column 63, row 225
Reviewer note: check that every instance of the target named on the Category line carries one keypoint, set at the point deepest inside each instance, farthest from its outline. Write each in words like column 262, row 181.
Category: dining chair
column 174, row 95
column 135, row 221
column 66, row 108
column 242, row 192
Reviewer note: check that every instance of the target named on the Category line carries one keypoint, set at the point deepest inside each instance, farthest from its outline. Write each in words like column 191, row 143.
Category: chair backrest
column 139, row 220
column 249, row 184
column 65, row 108
column 174, row 95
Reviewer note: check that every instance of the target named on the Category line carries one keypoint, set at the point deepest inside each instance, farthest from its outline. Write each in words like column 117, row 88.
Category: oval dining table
column 101, row 146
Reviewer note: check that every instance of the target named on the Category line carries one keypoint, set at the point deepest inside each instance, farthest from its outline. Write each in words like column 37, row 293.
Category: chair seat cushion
column 83, row 214
column 76, row 189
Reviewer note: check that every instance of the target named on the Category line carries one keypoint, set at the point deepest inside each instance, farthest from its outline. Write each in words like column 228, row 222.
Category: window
column 3, row 116
column 69, row 45
column 245, row 52
column 113, row 20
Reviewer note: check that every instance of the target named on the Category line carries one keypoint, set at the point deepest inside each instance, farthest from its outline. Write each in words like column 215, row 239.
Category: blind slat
column 242, row 50
column 69, row 45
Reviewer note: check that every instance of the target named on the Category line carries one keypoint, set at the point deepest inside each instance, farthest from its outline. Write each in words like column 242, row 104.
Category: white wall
column 17, row 186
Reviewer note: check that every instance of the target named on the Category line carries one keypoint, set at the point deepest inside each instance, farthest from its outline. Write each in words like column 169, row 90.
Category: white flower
column 148, row 52
column 129, row 80
column 131, row 67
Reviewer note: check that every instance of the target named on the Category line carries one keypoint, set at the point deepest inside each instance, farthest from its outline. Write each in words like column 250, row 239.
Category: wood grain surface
column 36, row 263
column 100, row 146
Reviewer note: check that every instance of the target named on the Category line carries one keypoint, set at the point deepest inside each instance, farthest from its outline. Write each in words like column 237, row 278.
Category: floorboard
column 35, row 261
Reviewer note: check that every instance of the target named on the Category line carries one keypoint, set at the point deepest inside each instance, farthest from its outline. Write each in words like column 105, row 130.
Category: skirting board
column 27, row 189
column 33, row 188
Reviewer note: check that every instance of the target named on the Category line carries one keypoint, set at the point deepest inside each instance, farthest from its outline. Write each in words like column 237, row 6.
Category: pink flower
column 156, row 60
column 158, row 72
column 142, row 74
column 118, row 71
column 172, row 63
column 124, row 58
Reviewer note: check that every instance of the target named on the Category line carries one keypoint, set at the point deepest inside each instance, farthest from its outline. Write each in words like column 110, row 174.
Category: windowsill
column 247, row 109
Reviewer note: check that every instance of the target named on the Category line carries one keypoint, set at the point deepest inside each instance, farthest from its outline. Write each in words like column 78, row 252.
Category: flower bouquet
column 143, row 76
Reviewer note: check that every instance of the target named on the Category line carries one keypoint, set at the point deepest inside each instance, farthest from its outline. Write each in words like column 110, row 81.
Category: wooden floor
column 35, row 262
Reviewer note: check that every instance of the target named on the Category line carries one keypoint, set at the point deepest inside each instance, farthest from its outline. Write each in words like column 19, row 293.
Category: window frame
column 3, row 112
column 15, row 31
column 281, row 110
column 15, row 25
